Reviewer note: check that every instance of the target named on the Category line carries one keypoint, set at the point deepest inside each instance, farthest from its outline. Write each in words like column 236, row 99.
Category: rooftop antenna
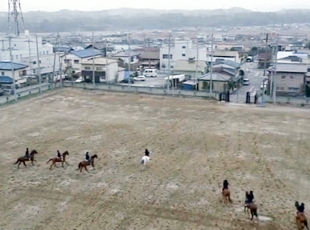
column 15, row 15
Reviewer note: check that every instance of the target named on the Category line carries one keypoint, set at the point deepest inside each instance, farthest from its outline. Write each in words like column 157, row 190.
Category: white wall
column 21, row 48
column 112, row 70
column 121, row 75
column 74, row 61
column 181, row 51
column 17, row 73
column 47, row 62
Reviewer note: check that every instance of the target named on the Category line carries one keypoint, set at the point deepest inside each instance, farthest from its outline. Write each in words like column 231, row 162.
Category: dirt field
column 195, row 144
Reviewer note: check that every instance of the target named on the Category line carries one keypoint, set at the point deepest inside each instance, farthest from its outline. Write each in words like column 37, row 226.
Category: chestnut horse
column 24, row 159
column 56, row 159
column 226, row 195
column 84, row 164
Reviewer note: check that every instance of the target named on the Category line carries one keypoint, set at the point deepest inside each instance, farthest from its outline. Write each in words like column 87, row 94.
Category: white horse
column 145, row 160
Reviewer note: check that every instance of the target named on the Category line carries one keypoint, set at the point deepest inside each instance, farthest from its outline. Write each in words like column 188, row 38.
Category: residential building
column 47, row 63
column 191, row 68
column 223, row 56
column 126, row 56
column 180, row 50
column 220, row 82
column 106, row 70
column 74, row 59
column 289, row 78
column 21, row 47
column 7, row 76
column 150, row 58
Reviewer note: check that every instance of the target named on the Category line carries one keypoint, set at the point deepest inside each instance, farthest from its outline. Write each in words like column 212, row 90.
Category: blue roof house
column 74, row 59
column 6, row 75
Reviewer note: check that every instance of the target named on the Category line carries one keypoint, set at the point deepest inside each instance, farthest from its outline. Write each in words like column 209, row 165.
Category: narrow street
column 256, row 78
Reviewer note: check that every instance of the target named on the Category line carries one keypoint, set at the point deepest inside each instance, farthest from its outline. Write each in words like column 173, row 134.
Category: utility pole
column 275, row 72
column 94, row 84
column 169, row 55
column 106, row 61
column 195, row 80
column 266, row 52
column 30, row 61
column 12, row 67
column 129, row 54
column 211, row 66
column 39, row 68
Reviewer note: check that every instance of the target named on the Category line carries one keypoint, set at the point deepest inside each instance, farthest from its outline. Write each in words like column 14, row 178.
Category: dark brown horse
column 84, row 164
column 252, row 210
column 24, row 158
column 226, row 195
column 56, row 160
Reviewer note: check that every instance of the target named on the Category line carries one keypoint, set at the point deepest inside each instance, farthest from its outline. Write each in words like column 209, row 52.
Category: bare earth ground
column 195, row 144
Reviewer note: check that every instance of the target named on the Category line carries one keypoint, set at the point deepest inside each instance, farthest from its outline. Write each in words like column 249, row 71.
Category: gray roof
column 7, row 65
column 86, row 53
column 215, row 77
column 126, row 54
column 291, row 68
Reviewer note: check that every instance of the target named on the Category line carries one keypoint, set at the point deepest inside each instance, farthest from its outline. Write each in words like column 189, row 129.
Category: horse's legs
column 53, row 163
column 19, row 162
column 86, row 169
column 25, row 163
column 62, row 164
column 32, row 162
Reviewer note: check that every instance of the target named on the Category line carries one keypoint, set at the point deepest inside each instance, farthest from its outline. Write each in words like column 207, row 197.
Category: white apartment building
column 24, row 47
column 180, row 50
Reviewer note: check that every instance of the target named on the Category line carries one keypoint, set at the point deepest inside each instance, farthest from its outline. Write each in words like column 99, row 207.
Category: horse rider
column 147, row 153
column 27, row 153
column 225, row 185
column 301, row 209
column 249, row 197
column 87, row 157
column 58, row 155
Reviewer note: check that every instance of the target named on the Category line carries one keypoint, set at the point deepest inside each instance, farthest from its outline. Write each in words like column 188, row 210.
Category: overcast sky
column 90, row 5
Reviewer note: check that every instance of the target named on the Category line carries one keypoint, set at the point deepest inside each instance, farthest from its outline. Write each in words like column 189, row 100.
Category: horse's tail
column 16, row 162
column 142, row 162
column 79, row 166
column 306, row 224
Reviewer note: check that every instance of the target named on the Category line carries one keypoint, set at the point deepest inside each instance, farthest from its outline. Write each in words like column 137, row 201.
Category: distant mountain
column 127, row 18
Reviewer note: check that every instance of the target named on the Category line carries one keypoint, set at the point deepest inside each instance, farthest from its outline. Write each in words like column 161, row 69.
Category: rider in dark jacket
column 301, row 208
column 58, row 155
column 251, row 197
column 147, row 153
column 27, row 153
column 225, row 185
column 87, row 157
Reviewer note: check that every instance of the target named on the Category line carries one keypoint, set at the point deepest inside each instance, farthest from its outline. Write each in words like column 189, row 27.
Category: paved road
column 151, row 82
column 256, row 78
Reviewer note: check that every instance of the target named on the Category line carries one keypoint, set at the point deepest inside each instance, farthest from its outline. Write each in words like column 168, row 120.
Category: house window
column 46, row 52
column 16, row 56
column 280, row 88
column 295, row 89
column 43, row 52
column 20, row 56
column 76, row 61
column 34, row 62
column 183, row 55
column 283, row 77
column 183, row 47
column 171, row 67
column 87, row 68
column 163, row 66
column 99, row 68
column 292, row 77
column 2, row 73
column 166, row 56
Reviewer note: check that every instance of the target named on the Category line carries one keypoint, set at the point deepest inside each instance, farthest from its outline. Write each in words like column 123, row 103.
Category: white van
column 150, row 72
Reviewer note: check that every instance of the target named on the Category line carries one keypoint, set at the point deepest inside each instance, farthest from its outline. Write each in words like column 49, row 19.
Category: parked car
column 126, row 81
column 246, row 81
column 150, row 72
column 139, row 78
